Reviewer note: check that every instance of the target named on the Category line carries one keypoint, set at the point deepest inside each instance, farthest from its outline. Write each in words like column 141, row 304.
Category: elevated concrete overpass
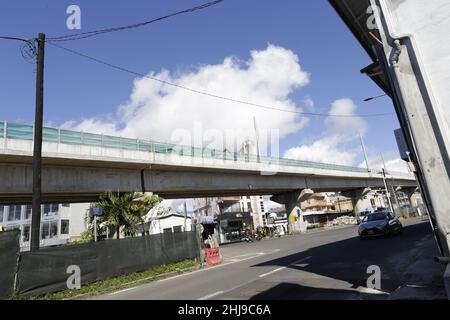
column 77, row 167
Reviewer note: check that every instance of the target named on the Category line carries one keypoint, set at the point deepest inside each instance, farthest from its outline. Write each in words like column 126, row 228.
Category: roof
column 355, row 16
column 177, row 215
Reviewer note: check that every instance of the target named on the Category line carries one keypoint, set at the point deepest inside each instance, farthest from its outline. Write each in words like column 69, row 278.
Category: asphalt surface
column 329, row 264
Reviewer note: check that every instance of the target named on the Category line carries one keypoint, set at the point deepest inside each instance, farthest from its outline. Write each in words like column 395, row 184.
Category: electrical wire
column 84, row 35
column 211, row 94
column 28, row 48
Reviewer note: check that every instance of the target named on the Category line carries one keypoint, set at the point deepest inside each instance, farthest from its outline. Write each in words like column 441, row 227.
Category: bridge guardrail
column 25, row 132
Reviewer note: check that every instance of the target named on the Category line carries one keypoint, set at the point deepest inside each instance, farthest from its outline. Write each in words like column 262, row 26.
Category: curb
column 136, row 282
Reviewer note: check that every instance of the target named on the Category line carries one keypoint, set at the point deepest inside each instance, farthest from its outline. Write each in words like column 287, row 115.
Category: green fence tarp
column 9, row 250
column 45, row 270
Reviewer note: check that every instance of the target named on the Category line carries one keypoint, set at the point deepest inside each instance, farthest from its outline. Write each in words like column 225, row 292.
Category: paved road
column 328, row 264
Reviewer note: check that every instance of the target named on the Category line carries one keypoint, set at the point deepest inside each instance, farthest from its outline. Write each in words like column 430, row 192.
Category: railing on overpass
column 25, row 132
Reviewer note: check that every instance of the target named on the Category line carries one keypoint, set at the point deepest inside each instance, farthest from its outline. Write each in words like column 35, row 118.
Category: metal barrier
column 49, row 269
column 9, row 251
column 25, row 132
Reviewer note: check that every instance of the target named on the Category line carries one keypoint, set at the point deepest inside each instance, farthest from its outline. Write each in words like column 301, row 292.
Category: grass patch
column 113, row 284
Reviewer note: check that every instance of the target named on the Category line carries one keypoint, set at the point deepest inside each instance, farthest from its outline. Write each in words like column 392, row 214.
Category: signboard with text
column 95, row 212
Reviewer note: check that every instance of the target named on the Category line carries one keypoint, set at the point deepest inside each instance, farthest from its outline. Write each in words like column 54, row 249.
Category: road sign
column 401, row 143
column 96, row 211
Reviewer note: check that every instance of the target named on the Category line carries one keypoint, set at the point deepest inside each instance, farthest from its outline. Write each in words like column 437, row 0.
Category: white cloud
column 393, row 163
column 334, row 146
column 164, row 113
column 309, row 104
column 322, row 150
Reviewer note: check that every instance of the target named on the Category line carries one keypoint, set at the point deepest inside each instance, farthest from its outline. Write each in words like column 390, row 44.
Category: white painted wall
column 429, row 23
column 76, row 213
column 158, row 225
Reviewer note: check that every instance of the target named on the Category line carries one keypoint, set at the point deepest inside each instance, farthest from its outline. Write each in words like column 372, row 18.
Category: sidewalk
column 423, row 277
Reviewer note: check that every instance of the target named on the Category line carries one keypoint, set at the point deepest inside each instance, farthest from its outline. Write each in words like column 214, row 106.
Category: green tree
column 124, row 211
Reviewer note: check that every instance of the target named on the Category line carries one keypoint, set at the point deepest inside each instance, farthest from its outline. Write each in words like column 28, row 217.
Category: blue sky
column 77, row 89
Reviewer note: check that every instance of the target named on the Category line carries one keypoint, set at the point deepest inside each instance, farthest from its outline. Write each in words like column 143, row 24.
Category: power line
column 15, row 38
column 84, row 35
column 28, row 49
column 211, row 94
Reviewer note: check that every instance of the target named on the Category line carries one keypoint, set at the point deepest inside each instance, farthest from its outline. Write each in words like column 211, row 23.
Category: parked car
column 379, row 224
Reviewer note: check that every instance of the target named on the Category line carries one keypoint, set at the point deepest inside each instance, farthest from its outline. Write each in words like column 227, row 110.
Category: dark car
column 379, row 224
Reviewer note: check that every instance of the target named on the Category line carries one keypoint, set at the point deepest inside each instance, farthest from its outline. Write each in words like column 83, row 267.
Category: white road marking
column 370, row 291
column 120, row 291
column 209, row 296
column 279, row 269
column 273, row 271
column 255, row 255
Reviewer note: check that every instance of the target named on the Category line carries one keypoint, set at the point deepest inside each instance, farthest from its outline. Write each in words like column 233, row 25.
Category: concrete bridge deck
column 77, row 167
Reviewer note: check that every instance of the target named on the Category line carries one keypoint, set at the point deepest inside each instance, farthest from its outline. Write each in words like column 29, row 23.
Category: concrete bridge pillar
column 358, row 202
column 410, row 192
column 291, row 201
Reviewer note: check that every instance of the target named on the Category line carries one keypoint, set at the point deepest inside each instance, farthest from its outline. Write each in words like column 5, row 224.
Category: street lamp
column 374, row 97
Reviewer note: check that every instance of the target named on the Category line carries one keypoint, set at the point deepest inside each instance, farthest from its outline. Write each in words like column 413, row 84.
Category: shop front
column 231, row 226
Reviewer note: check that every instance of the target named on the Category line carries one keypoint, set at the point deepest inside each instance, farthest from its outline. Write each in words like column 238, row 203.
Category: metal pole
column 37, row 150
column 257, row 140
column 395, row 194
column 185, row 215
column 95, row 228
column 387, row 191
column 339, row 204
column 364, row 151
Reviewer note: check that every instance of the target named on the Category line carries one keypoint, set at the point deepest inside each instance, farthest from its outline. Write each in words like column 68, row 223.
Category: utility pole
column 37, row 150
column 387, row 191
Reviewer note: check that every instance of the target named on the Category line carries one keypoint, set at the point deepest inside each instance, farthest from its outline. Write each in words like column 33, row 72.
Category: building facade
column 318, row 202
column 60, row 223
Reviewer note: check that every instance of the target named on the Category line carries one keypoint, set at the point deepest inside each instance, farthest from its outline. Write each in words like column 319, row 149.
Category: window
column 235, row 207
column 46, row 210
column 53, row 229
column 45, row 231
column 177, row 229
column 50, row 209
column 26, row 233
column 28, row 212
column 2, row 209
column 64, row 226
column 167, row 230
column 66, row 205
column 372, row 202
column 14, row 213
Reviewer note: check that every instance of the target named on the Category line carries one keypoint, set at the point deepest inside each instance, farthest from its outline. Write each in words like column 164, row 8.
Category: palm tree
column 125, row 210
